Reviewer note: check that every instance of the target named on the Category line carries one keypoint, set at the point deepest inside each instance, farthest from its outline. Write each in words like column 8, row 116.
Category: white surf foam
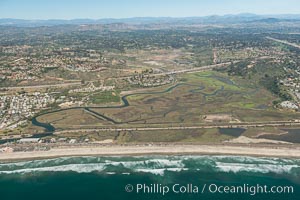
column 258, row 168
column 80, row 168
column 153, row 163
column 160, row 172
column 152, row 171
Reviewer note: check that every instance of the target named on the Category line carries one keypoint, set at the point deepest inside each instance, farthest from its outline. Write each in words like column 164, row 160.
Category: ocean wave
column 152, row 163
column 80, row 168
column 151, row 171
column 161, row 171
column 157, row 165
column 48, row 162
column 256, row 168
column 111, row 173
column 84, row 165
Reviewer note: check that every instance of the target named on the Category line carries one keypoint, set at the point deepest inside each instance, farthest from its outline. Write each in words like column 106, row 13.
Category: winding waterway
column 125, row 103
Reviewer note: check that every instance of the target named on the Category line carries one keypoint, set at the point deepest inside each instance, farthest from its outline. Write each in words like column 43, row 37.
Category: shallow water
column 235, row 132
column 106, row 177
column 292, row 135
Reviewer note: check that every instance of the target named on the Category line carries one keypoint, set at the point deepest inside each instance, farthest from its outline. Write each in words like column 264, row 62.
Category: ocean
column 151, row 177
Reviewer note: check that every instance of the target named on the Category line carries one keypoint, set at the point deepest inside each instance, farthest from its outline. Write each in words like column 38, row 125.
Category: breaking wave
column 158, row 165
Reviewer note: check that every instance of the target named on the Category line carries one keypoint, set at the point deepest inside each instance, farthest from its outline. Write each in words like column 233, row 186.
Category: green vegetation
column 148, row 64
column 272, row 84
column 203, row 93
column 175, row 136
column 262, row 73
column 105, row 97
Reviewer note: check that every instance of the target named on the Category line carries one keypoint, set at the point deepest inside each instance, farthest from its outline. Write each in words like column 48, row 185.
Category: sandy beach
column 268, row 151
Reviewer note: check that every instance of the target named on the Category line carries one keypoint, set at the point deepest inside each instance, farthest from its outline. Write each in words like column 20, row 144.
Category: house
column 72, row 141
column 29, row 140
column 6, row 150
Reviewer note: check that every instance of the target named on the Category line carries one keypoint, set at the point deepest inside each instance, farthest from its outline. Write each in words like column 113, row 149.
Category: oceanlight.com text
column 207, row 188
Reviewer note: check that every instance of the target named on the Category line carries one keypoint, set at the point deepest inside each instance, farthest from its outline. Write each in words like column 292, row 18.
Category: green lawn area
column 105, row 97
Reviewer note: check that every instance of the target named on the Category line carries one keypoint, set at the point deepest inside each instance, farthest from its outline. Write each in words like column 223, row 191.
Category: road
column 196, row 69
column 43, row 86
column 231, row 125
column 284, row 42
column 190, row 70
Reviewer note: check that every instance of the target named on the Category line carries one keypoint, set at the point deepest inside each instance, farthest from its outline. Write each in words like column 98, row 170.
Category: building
column 6, row 150
column 289, row 105
column 29, row 140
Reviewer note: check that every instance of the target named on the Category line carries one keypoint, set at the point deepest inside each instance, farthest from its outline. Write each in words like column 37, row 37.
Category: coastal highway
column 233, row 125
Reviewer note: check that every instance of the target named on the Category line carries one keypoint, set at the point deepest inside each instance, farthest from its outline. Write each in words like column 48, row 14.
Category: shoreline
column 138, row 150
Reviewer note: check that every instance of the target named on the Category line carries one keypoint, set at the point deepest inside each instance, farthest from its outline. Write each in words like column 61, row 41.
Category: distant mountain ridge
column 238, row 18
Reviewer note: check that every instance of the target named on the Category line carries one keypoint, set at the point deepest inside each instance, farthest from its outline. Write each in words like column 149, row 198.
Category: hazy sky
column 96, row 9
